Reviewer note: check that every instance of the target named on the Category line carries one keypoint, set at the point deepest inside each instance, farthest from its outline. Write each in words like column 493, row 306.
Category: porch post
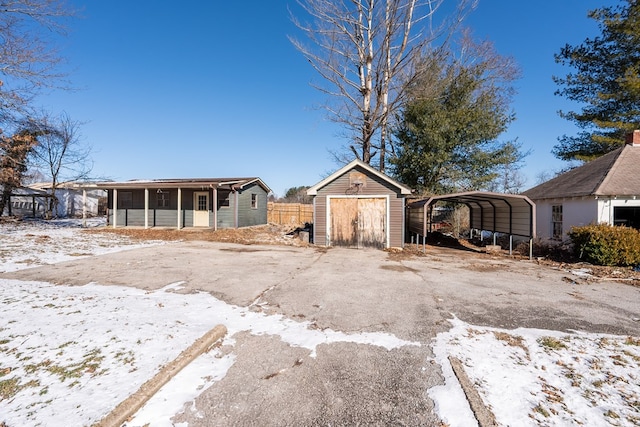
column 179, row 208
column 215, row 208
column 146, row 208
column 84, row 207
column 115, row 209
column 236, row 209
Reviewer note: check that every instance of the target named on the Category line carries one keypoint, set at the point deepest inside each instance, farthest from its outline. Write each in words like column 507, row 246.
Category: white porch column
column 84, row 207
column 215, row 208
column 179, row 208
column 146, row 208
column 115, row 209
column 236, row 209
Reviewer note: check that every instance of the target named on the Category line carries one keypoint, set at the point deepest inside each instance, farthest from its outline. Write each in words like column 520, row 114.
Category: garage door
column 358, row 222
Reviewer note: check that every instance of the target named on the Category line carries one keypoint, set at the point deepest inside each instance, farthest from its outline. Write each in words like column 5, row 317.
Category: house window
column 556, row 221
column 627, row 216
column 254, row 201
column 202, row 202
column 125, row 200
column 223, row 199
column 163, row 199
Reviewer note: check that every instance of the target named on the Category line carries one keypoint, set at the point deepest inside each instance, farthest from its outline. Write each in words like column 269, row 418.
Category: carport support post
column 530, row 249
column 510, row 243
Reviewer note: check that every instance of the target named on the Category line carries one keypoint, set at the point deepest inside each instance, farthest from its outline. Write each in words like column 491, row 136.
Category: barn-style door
column 358, row 222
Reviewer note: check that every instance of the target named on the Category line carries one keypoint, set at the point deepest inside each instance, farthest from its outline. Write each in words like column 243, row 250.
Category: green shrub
column 607, row 245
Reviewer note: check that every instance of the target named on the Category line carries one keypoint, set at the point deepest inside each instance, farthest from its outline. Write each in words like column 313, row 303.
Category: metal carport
column 510, row 214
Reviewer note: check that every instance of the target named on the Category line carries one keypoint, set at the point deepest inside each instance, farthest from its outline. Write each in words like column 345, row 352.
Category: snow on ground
column 60, row 344
column 531, row 377
column 31, row 243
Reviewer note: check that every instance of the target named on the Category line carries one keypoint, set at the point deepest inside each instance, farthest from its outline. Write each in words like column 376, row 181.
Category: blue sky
column 215, row 89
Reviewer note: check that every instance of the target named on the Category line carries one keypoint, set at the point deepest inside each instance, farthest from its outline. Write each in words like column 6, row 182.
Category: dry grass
column 269, row 234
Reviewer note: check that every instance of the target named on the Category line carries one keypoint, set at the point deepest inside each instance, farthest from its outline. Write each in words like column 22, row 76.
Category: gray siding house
column 603, row 191
column 358, row 206
column 202, row 202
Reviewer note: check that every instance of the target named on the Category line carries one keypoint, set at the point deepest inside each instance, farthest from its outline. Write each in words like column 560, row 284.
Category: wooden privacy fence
column 289, row 213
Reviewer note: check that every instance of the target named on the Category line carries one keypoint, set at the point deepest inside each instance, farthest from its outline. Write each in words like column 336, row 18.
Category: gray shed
column 357, row 207
column 200, row 202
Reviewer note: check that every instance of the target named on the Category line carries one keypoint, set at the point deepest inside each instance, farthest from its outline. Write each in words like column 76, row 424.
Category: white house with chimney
column 605, row 190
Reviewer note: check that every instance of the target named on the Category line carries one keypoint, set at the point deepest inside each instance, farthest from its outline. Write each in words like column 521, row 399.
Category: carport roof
column 502, row 213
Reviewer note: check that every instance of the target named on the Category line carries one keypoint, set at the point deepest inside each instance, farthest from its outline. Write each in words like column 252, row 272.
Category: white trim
column 387, row 220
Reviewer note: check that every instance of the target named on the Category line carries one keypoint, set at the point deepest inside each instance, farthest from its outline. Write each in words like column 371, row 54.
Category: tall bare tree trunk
column 365, row 51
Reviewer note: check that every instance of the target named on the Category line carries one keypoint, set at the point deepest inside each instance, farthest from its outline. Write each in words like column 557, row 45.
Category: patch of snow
column 32, row 243
column 531, row 377
column 582, row 272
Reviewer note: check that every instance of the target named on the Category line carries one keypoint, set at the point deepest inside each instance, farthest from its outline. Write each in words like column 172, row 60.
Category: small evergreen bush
column 607, row 245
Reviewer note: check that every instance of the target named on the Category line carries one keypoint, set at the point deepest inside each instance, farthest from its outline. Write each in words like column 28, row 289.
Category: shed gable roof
column 614, row 174
column 402, row 189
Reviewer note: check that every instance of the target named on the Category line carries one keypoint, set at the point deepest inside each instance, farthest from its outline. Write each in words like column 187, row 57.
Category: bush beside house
column 607, row 245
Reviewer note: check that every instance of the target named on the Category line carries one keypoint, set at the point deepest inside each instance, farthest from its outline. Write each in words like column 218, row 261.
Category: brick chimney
column 633, row 138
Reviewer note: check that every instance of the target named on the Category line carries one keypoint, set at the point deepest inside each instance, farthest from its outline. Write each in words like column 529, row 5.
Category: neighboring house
column 73, row 200
column 26, row 202
column 605, row 190
column 201, row 202
column 358, row 206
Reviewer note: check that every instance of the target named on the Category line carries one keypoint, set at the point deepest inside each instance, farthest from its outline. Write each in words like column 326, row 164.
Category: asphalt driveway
column 352, row 291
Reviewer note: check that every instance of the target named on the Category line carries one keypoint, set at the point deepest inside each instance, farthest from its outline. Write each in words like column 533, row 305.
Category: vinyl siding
column 168, row 216
column 247, row 215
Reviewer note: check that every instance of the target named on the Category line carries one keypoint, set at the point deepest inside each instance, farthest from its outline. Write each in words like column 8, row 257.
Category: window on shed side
column 163, row 199
column 125, row 200
column 254, row 201
column 556, row 221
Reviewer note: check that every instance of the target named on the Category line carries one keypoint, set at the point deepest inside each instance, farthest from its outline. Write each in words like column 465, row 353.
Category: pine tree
column 606, row 81
column 447, row 136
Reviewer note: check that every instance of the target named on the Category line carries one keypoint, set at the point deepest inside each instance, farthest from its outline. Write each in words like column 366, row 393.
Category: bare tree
column 60, row 154
column 28, row 60
column 365, row 50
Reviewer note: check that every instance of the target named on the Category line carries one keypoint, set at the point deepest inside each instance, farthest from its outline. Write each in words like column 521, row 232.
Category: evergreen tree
column 448, row 130
column 606, row 80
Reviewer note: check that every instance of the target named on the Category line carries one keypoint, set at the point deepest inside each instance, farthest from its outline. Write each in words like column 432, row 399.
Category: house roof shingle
column 614, row 174
column 227, row 183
